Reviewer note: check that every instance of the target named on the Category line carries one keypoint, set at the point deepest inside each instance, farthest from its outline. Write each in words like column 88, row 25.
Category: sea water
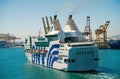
column 14, row 65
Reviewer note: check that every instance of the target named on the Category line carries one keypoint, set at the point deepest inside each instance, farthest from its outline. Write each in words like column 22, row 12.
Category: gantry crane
column 87, row 31
column 8, row 38
column 98, row 32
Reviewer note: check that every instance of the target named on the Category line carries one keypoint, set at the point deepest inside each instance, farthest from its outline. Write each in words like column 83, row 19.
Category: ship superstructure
column 62, row 49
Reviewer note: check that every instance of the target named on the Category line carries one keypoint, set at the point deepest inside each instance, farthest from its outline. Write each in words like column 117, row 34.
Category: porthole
column 73, row 60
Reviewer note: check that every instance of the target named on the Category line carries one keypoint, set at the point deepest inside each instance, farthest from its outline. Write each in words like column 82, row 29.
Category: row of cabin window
column 84, row 52
column 84, row 48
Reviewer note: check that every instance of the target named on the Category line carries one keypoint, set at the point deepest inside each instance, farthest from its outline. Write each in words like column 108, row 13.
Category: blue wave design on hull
column 54, row 58
column 43, row 57
column 49, row 58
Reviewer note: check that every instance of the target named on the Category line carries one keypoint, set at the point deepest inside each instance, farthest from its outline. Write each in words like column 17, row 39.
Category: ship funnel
column 44, row 25
column 71, row 23
column 51, row 19
column 70, row 17
column 55, row 17
column 48, row 26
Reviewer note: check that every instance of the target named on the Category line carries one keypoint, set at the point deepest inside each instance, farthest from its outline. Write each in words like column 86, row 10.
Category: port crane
column 8, row 38
column 87, row 31
column 102, row 31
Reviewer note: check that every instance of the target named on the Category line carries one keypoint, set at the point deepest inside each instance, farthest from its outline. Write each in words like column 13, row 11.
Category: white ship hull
column 82, row 58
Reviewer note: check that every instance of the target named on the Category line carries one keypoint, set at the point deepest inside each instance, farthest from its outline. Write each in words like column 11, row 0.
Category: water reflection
column 40, row 72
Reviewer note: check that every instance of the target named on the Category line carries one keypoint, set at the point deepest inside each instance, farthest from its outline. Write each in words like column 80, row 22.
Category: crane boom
column 106, row 24
column 98, row 32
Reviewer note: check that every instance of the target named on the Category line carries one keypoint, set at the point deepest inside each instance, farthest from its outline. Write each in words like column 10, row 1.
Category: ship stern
column 82, row 58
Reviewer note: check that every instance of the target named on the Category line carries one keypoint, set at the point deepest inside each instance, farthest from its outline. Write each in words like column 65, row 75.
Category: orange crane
column 98, row 32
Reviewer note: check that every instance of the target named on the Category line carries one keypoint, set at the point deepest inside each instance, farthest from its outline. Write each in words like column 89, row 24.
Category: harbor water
column 14, row 65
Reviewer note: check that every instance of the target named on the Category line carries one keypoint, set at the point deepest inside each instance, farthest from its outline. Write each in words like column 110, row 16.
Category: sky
column 23, row 17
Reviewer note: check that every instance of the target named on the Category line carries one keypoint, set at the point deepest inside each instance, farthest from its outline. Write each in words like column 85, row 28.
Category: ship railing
column 27, row 47
column 39, row 51
column 77, row 42
column 74, row 44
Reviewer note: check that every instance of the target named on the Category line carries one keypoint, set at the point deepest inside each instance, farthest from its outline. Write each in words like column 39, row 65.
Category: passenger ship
column 62, row 49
